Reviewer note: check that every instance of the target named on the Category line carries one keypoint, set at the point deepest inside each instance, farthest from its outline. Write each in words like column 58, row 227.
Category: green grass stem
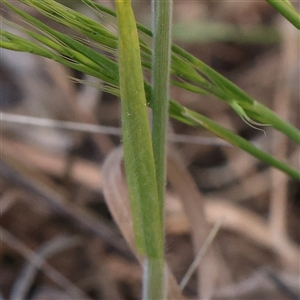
column 162, row 25
column 285, row 8
column 122, row 73
column 138, row 155
column 181, row 113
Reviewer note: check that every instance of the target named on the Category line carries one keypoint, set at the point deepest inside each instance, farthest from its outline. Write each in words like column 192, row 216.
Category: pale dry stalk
column 282, row 106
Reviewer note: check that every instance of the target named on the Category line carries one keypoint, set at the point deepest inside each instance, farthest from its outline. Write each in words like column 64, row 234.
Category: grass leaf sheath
column 139, row 161
column 138, row 154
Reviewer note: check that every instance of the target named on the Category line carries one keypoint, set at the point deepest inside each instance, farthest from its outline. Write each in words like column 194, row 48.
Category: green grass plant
column 190, row 72
column 120, row 65
column 139, row 156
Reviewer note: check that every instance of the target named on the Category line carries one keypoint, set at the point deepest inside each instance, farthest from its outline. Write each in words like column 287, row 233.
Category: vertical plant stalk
column 138, row 155
column 162, row 25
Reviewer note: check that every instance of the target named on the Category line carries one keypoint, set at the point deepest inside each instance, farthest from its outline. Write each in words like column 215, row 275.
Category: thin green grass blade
column 223, row 83
column 154, row 271
column 13, row 42
column 138, row 155
column 70, row 46
column 231, row 93
column 206, row 82
column 265, row 115
column 162, row 25
column 285, row 8
column 184, row 65
column 234, row 139
column 74, row 20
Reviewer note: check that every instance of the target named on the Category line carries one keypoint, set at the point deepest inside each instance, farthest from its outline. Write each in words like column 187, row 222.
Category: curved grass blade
column 265, row 115
column 181, row 113
column 81, row 52
column 185, row 66
column 182, row 60
column 16, row 43
column 74, row 20
column 285, row 8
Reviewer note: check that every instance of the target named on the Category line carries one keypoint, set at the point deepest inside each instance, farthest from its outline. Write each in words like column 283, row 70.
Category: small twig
column 41, row 159
column 255, row 282
column 285, row 289
column 200, row 254
column 95, row 128
column 194, row 207
column 44, row 122
column 264, row 279
column 250, row 225
column 75, row 100
column 36, row 261
column 40, row 186
column 278, row 217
